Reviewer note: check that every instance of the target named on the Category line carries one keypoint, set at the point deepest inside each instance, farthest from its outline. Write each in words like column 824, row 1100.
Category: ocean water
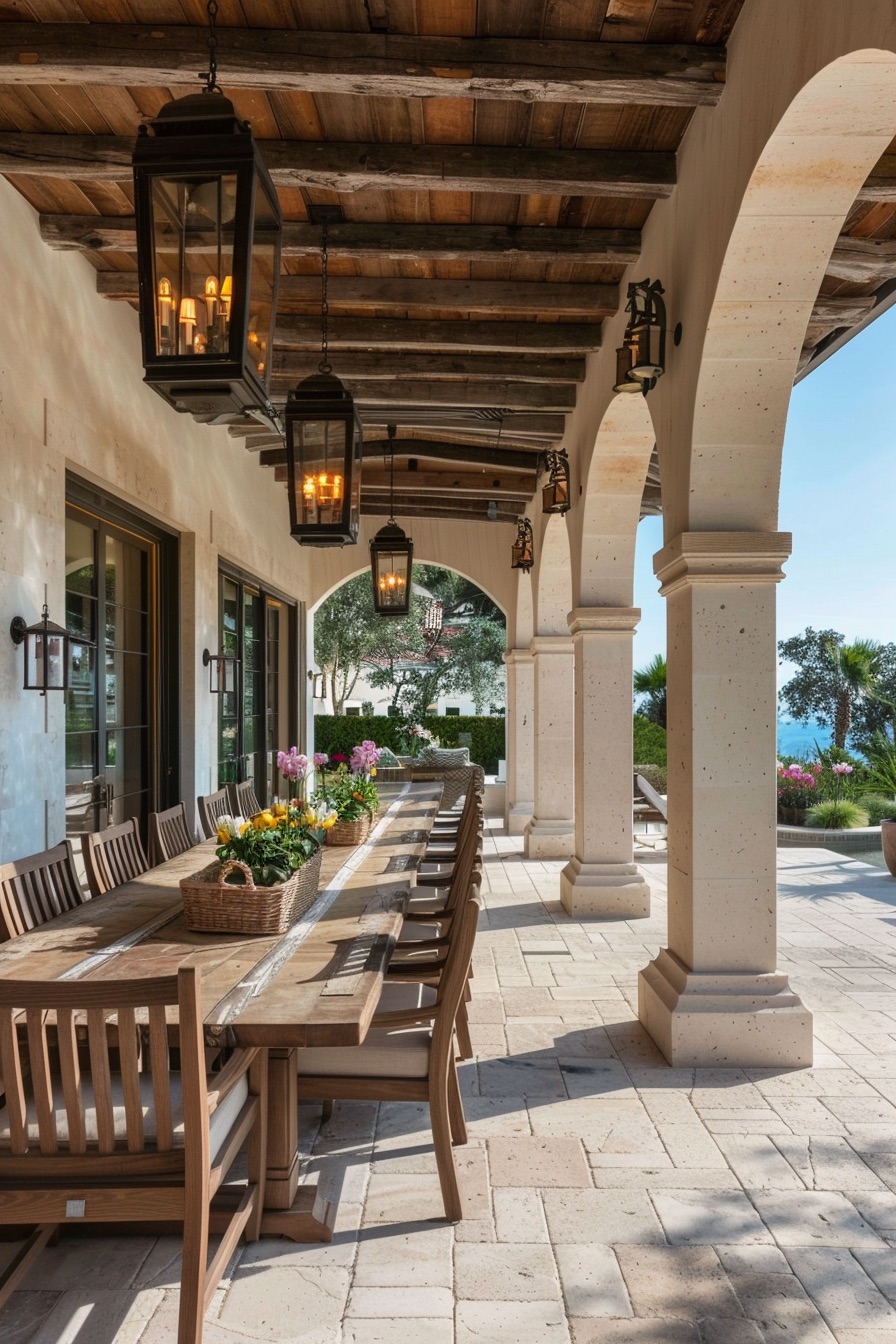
column 801, row 739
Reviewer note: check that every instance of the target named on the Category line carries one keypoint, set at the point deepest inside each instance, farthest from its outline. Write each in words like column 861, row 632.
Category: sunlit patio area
column 608, row 1197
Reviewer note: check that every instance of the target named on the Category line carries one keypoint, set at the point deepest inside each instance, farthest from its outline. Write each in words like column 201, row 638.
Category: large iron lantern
column 645, row 334
column 555, row 492
column 323, row 462
column 46, row 652
column 391, row 565
column 522, row 555
column 208, row 258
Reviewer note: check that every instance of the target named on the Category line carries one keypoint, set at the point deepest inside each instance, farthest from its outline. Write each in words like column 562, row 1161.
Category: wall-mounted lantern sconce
column 555, row 494
column 317, row 684
column 46, row 652
column 641, row 359
column 222, row 669
column 523, row 551
column 208, row 255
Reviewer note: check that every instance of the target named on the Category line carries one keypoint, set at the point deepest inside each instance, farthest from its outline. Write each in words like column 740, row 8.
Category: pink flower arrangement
column 321, row 759
column 364, row 758
column 293, row 766
column 796, row 784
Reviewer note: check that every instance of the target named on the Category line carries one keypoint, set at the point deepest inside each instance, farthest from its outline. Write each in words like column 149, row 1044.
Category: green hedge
column 338, row 734
column 649, row 741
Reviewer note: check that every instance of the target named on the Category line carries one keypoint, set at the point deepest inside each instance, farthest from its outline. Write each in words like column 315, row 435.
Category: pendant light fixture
column 323, row 448
column 208, row 255
column 391, row 556
column 555, row 493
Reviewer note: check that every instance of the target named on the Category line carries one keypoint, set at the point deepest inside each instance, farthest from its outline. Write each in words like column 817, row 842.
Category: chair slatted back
column 169, row 834
column 244, row 799
column 38, row 888
column 60, row 1097
column 113, row 857
column 213, row 806
column 452, row 982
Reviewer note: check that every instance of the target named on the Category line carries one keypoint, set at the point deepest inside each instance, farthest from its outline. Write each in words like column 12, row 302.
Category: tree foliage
column 416, row 664
column 650, row 682
column 837, row 682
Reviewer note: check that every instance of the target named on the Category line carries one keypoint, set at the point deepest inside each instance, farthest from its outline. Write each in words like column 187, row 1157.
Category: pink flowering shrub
column 797, row 784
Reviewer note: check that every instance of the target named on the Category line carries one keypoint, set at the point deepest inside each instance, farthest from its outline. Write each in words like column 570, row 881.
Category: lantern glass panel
column 321, row 451
column 193, row 222
column 555, row 496
column 263, row 272
column 45, row 668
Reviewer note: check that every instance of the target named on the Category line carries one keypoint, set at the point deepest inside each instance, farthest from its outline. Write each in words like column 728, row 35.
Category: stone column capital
column 721, row 557
column 559, row 644
column 513, row 656
column 611, row 619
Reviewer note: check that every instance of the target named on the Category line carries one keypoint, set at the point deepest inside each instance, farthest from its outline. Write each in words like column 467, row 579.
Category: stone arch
column 801, row 189
column 418, row 560
column 553, row 579
column 611, row 505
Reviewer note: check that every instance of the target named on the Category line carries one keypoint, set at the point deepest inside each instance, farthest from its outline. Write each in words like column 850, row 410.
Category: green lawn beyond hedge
column 339, row 733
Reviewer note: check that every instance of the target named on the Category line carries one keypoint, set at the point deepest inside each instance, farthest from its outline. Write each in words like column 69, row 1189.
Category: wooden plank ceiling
column 492, row 161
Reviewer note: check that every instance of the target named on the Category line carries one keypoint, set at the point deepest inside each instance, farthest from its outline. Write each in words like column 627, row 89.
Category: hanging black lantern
column 208, row 255
column 555, row 494
column 323, row 451
column 391, row 557
column 46, row 652
column 645, row 338
column 522, row 555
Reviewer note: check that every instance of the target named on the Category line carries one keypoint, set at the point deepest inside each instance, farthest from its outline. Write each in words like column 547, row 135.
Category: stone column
column 600, row 878
column 714, row 996
column 551, row 832
column 520, row 726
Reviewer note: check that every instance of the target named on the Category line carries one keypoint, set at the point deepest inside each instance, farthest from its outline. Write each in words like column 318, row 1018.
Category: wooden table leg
column 299, row 1213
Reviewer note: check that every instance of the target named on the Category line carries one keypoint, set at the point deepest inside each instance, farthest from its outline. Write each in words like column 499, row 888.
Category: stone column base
column 518, row 818
column 550, row 839
column 726, row 1020
column 614, row 889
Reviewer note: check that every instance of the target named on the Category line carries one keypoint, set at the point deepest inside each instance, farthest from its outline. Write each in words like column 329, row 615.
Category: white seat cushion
column 219, row 1127
column 401, row 1053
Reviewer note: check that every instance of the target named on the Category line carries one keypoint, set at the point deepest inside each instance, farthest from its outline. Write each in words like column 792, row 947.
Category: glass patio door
column 111, row 589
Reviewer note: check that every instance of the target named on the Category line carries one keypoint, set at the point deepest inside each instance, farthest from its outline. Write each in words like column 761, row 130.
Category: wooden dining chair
column 169, row 834
column 113, row 856
column 97, row 1126
column 212, row 807
column 408, row 1055
column 38, row 888
column 243, row 799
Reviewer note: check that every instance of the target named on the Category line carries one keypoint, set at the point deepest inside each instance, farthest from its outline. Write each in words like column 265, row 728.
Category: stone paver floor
column 610, row 1199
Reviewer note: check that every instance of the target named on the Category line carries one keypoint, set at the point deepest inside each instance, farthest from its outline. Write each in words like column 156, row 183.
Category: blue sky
column 838, row 498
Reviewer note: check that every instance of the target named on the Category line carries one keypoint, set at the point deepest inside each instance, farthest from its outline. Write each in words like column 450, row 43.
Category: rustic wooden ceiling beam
column 375, row 333
column 341, row 167
column 881, row 184
column 443, row 366
column 426, row 392
column 540, row 427
column 395, row 242
column 509, row 485
column 485, row 297
column 860, row 260
column 389, row 65
column 482, row 455
column 841, row 312
column 455, row 511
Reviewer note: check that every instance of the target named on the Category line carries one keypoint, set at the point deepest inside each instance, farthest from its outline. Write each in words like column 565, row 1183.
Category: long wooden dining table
column 316, row 985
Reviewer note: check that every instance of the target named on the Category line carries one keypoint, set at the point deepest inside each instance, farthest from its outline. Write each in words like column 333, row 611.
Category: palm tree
column 856, row 674
column 651, row 681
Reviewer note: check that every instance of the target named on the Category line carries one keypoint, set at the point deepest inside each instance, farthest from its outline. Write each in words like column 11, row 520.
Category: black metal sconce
column 323, row 449
column 208, row 255
column 391, row 556
column 222, row 670
column 555, row 493
column 641, row 359
column 522, row 555
column 46, row 652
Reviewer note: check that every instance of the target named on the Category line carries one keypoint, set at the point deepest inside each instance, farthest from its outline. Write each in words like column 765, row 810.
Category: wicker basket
column 212, row 905
column 349, row 832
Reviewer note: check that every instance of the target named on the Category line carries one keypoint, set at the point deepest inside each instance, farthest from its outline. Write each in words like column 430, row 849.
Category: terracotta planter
column 888, row 840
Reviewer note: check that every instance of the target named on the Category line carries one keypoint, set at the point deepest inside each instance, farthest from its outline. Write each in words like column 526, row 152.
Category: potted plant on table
column 351, row 793
column 266, row 875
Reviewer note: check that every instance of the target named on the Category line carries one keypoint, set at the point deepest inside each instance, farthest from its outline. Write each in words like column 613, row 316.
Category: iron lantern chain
column 324, row 366
column 211, row 79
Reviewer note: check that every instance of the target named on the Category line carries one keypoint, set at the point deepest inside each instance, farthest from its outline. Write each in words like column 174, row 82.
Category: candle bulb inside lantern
column 188, row 322
column 165, row 300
